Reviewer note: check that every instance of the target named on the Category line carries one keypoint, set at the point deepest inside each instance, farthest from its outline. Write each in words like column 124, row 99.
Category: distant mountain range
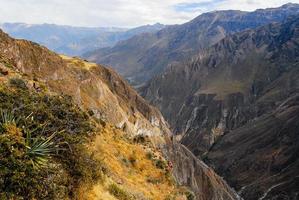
column 73, row 41
column 144, row 56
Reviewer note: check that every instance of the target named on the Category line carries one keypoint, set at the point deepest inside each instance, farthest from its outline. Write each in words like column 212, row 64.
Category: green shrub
column 6, row 119
column 119, row 193
column 17, row 82
column 39, row 150
column 189, row 195
column 26, row 160
column 160, row 164
column 18, row 176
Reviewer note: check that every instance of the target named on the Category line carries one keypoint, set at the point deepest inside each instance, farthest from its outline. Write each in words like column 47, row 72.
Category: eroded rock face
column 201, row 179
column 240, row 78
column 228, row 95
column 93, row 87
column 261, row 158
column 204, row 119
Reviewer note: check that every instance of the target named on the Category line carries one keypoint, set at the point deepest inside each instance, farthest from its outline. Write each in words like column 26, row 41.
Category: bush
column 160, row 164
column 119, row 193
column 18, row 176
column 190, row 195
column 42, row 115
column 17, row 82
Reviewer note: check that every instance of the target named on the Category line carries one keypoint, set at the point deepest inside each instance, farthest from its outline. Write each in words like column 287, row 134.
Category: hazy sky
column 123, row 13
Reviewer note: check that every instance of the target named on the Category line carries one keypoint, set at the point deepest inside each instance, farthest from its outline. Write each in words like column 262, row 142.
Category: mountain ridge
column 133, row 58
column 72, row 40
column 217, row 104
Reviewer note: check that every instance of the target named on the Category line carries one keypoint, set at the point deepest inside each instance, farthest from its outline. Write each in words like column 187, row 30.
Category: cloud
column 121, row 13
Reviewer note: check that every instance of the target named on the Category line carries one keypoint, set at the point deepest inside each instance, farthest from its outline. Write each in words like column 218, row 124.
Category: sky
column 120, row 13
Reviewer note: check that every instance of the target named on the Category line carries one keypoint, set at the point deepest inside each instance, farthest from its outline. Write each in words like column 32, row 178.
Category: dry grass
column 129, row 167
column 222, row 88
column 78, row 62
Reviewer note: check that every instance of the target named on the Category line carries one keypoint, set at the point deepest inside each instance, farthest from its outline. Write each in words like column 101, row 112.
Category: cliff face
column 127, row 139
column 233, row 86
column 226, row 86
column 93, row 87
column 194, row 173
column 142, row 57
column 261, row 158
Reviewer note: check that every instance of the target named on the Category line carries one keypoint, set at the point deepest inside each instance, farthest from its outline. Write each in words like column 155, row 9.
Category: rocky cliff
column 194, row 173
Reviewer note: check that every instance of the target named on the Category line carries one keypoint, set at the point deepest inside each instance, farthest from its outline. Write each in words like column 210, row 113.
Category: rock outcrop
column 194, row 173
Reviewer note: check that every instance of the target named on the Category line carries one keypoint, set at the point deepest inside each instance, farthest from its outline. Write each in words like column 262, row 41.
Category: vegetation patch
column 190, row 195
column 42, row 145
column 119, row 193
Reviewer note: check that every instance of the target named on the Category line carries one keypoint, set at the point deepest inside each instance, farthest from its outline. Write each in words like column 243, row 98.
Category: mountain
column 73, row 40
column 235, row 105
column 261, row 157
column 70, row 129
column 144, row 56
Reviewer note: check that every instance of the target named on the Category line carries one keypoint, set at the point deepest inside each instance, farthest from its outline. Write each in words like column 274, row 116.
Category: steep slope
column 74, row 40
column 261, row 158
column 223, row 101
column 194, row 173
column 143, row 56
column 229, row 84
column 95, row 88
column 120, row 157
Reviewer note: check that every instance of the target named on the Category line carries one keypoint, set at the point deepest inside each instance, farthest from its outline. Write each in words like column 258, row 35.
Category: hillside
column 71, row 129
column 74, row 41
column 235, row 105
column 142, row 57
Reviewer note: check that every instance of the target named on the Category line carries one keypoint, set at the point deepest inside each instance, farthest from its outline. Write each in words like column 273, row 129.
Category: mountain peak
column 180, row 42
column 290, row 5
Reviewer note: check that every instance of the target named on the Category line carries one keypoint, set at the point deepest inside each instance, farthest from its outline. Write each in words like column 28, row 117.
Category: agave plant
column 7, row 117
column 39, row 150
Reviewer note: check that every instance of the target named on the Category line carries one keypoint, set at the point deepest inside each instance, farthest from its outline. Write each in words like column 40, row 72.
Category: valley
column 204, row 110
